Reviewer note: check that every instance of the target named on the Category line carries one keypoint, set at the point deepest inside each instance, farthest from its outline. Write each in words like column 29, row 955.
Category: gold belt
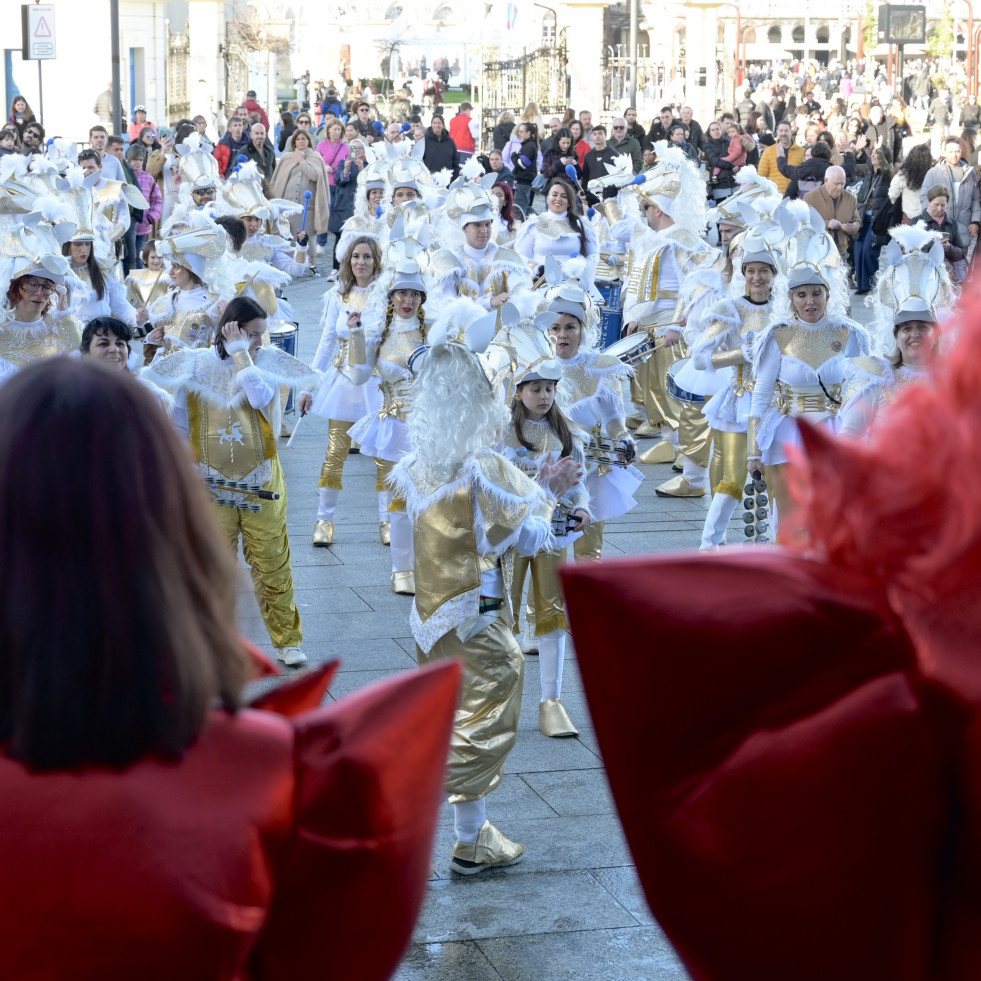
column 395, row 401
column 340, row 359
column 791, row 402
column 742, row 387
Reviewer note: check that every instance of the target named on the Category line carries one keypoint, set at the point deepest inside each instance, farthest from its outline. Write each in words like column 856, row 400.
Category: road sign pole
column 40, row 94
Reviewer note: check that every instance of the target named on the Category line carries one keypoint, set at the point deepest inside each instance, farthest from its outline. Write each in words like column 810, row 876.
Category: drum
column 676, row 391
column 632, row 349
column 610, row 325
column 284, row 336
column 611, row 293
column 688, row 378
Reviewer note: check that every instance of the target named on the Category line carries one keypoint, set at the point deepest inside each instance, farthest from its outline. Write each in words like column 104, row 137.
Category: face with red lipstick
column 405, row 302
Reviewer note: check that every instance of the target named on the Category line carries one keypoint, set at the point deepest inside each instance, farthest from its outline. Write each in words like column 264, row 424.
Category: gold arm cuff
column 242, row 360
column 752, row 447
column 728, row 359
column 357, row 351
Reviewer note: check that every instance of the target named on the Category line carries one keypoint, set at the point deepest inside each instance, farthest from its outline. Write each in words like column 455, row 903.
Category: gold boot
column 492, row 850
column 385, row 530
column 554, row 721
column 678, row 487
column 646, row 430
column 662, row 452
column 404, row 583
column 323, row 533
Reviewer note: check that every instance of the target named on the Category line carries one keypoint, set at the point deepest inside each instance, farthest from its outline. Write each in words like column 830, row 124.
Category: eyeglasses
column 615, row 128
column 303, row 122
column 38, row 286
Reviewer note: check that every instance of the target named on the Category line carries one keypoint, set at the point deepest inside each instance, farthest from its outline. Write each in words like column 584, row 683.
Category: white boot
column 716, row 521
column 403, row 581
column 553, row 720
column 328, row 503
column 696, row 476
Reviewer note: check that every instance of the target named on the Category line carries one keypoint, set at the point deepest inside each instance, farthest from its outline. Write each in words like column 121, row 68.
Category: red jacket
column 460, row 133
column 254, row 106
column 276, row 848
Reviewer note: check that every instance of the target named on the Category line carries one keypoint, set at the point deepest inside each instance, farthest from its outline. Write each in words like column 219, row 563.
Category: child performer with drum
column 538, row 434
column 591, row 392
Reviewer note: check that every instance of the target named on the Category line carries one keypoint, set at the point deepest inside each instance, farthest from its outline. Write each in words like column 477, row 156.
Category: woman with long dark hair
column 559, row 230
column 507, row 223
column 178, row 829
column 21, row 114
column 908, row 180
column 106, row 294
column 232, row 389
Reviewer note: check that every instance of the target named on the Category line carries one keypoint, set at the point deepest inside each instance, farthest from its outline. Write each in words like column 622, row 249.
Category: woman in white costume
column 559, row 231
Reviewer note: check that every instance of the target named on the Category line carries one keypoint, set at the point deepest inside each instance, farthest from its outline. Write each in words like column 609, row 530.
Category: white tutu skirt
column 698, row 380
column 339, row 398
column 779, row 433
column 387, row 439
column 612, row 494
column 727, row 412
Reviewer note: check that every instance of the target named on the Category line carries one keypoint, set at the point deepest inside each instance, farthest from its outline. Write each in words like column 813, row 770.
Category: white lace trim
column 449, row 616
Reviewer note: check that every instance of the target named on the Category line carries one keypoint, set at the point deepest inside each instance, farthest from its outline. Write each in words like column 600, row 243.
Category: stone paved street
column 573, row 909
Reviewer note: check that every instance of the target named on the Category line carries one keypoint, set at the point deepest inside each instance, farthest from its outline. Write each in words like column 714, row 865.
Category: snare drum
column 676, row 390
column 611, row 293
column 610, row 325
column 632, row 349
column 284, row 336
column 698, row 381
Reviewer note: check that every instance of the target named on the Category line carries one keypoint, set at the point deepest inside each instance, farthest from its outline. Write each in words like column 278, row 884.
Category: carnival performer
column 187, row 315
column 475, row 267
column 799, row 359
column 540, row 433
column 506, row 224
column 193, row 835
column 472, row 512
column 226, row 403
column 245, row 200
column 147, row 285
column 725, row 347
column 200, row 183
column 379, row 346
column 106, row 295
column 591, row 395
column 36, row 318
column 339, row 400
column 664, row 255
column 369, row 205
column 559, row 231
column 911, row 292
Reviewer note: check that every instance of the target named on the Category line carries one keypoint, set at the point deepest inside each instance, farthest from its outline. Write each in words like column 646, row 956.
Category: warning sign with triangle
column 42, row 29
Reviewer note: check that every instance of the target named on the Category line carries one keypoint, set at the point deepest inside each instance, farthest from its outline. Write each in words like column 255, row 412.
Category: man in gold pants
column 662, row 292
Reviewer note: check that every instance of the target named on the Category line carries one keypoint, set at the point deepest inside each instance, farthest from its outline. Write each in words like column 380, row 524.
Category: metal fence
column 178, row 67
column 539, row 76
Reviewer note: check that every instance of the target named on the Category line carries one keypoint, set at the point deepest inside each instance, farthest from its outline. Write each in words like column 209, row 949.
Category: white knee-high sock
column 671, row 435
column 697, row 475
column 468, row 818
column 717, row 520
column 551, row 656
column 328, row 503
column 401, row 534
column 384, row 499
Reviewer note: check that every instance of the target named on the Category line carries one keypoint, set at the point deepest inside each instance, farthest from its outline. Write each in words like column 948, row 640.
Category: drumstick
column 306, row 206
column 296, row 429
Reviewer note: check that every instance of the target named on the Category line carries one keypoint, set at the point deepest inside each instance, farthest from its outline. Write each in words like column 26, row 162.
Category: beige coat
column 845, row 210
column 292, row 177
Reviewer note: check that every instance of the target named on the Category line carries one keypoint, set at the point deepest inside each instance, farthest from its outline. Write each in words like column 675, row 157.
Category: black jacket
column 501, row 135
column 525, row 173
column 552, row 165
column 594, row 165
column 658, row 132
column 266, row 161
column 440, row 153
column 874, row 196
column 714, row 151
column 811, row 172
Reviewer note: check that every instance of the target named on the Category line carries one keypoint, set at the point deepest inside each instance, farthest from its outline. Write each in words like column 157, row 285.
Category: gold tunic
column 21, row 344
column 143, row 287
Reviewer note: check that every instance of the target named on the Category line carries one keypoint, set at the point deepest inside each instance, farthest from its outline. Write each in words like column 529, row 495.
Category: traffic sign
column 38, row 31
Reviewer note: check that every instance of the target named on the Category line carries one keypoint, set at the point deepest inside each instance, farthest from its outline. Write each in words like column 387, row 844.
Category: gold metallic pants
column 638, row 384
column 549, row 609
column 266, row 547
column 694, row 435
column 485, row 726
column 590, row 545
column 661, row 408
column 338, row 447
column 727, row 474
